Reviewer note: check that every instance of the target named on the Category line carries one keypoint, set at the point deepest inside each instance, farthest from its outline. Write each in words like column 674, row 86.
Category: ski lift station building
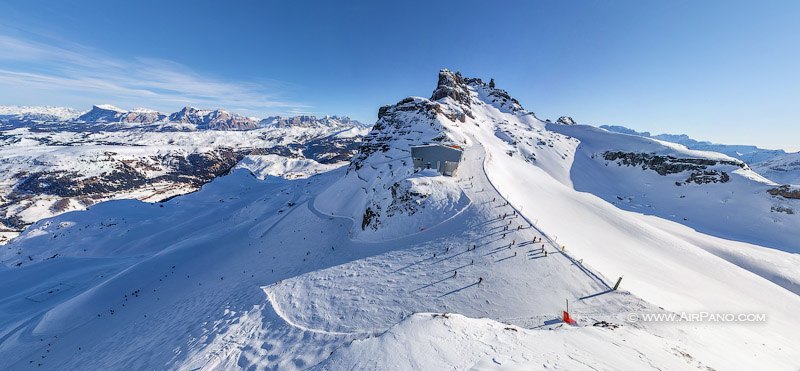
column 444, row 159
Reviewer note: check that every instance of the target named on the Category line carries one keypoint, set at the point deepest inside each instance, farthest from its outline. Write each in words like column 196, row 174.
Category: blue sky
column 724, row 71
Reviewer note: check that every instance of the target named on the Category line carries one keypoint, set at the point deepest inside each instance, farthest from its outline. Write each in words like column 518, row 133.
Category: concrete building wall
column 442, row 158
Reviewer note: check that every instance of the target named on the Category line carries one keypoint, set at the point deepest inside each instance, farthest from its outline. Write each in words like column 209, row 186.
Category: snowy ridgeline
column 353, row 267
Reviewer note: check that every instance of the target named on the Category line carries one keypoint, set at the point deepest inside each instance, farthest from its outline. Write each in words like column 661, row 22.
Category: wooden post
column 616, row 285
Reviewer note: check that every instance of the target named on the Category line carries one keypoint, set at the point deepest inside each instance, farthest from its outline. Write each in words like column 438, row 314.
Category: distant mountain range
column 775, row 164
column 108, row 117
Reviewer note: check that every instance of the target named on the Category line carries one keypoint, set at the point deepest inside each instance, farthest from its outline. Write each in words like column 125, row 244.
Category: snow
column 281, row 274
column 266, row 166
column 784, row 169
column 109, row 107
column 36, row 112
column 451, row 341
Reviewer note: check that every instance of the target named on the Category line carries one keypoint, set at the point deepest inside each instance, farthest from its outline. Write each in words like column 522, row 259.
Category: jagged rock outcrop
column 663, row 165
column 451, row 84
column 786, row 191
column 565, row 120
column 395, row 122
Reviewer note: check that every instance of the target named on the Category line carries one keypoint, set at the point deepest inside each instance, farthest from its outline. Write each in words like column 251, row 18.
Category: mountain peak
column 310, row 121
column 453, row 85
column 108, row 107
column 214, row 120
column 103, row 113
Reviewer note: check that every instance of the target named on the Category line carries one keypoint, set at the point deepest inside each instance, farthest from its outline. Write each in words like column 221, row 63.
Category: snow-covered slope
column 774, row 164
column 784, row 169
column 47, row 172
column 451, row 341
column 297, row 274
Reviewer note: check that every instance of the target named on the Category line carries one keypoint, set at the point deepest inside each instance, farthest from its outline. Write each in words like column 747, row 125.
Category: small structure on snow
column 444, row 159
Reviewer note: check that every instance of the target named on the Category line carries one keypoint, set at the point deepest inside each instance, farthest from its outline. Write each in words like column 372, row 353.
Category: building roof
column 428, row 145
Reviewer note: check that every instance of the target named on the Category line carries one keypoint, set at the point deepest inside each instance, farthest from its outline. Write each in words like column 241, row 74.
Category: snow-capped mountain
column 310, row 121
column 104, row 113
column 37, row 113
column 213, row 120
column 378, row 265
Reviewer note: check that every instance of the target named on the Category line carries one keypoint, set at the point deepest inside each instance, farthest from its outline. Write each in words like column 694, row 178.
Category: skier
column 480, row 279
column 455, row 273
column 471, row 262
column 515, row 253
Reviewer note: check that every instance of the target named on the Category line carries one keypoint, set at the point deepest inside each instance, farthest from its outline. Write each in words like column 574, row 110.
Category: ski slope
column 295, row 274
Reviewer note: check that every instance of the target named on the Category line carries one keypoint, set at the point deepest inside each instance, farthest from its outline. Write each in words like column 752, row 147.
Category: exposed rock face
column 451, row 85
column 565, row 120
column 143, row 117
column 213, row 120
column 664, row 165
column 394, row 123
column 786, row 191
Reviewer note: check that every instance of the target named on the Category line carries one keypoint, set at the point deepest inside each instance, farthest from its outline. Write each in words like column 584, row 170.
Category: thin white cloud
column 38, row 66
